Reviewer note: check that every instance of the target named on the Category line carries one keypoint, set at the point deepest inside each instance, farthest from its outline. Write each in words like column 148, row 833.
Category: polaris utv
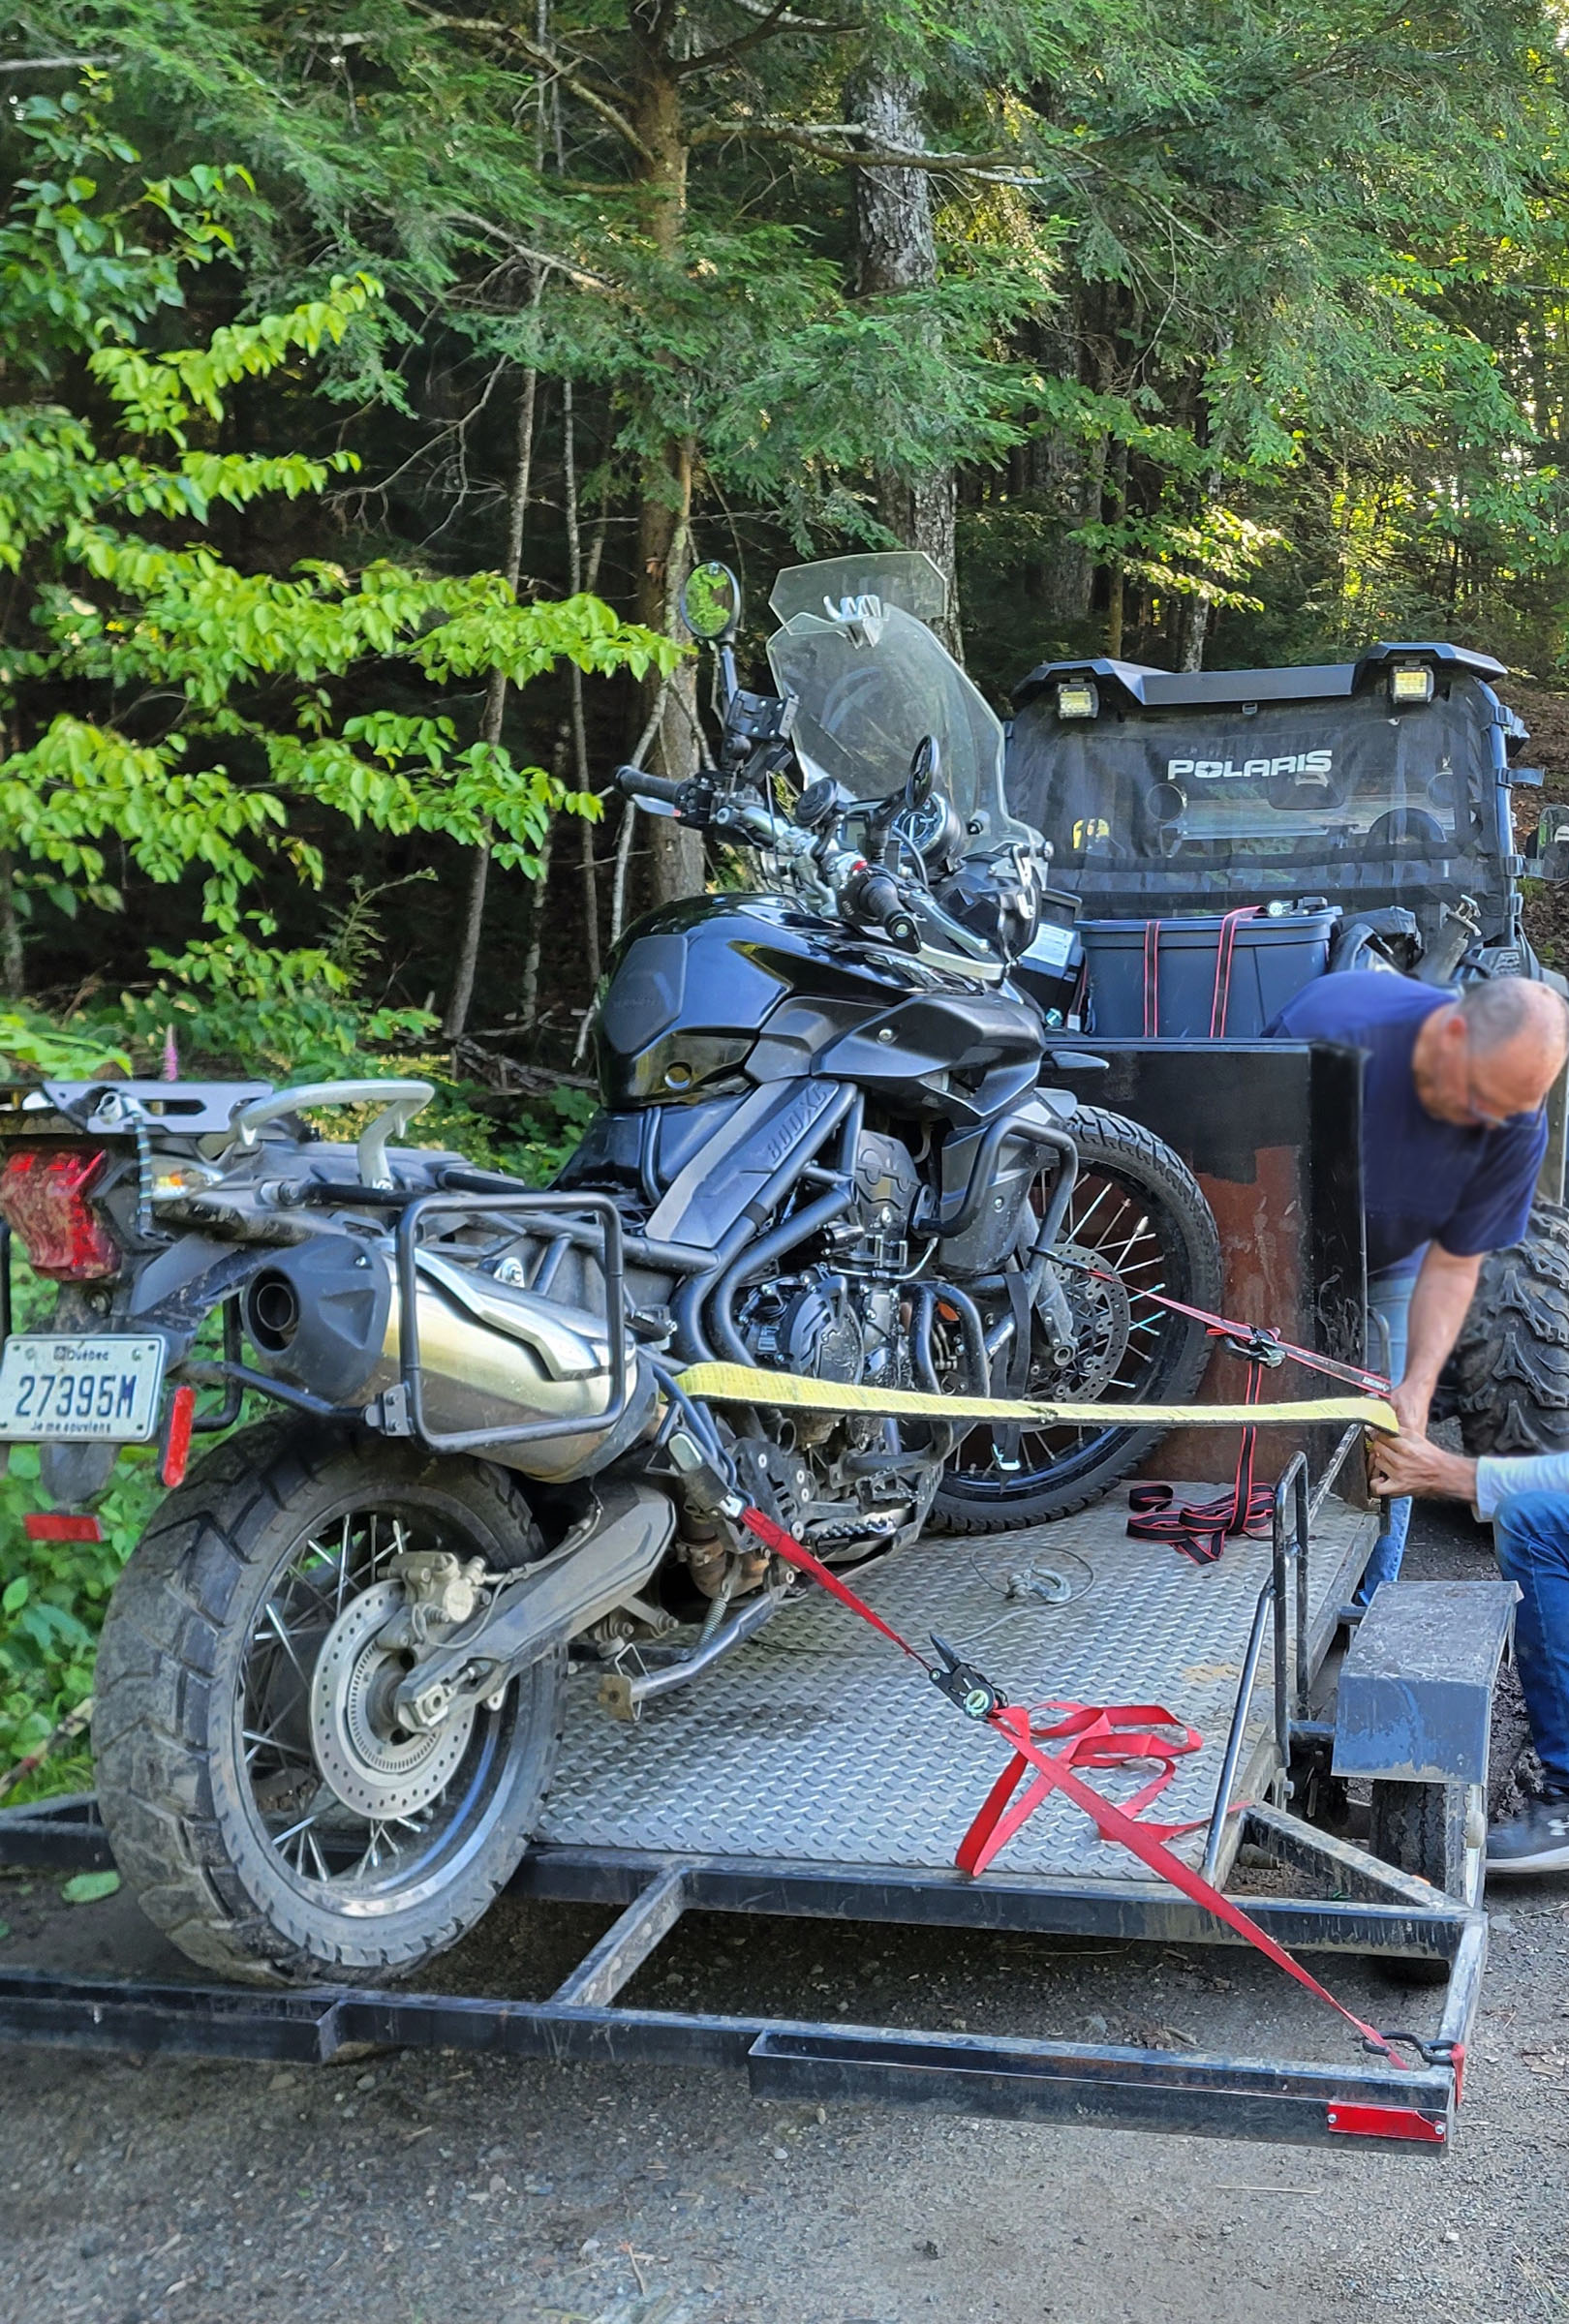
column 1221, row 836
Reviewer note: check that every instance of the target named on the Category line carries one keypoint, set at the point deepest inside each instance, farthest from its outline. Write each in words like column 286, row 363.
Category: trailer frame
column 1372, row 1909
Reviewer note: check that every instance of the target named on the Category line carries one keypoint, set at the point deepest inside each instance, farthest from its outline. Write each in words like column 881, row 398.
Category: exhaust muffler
column 326, row 1316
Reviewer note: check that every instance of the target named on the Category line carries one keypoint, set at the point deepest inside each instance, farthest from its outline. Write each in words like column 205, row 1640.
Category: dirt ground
column 430, row 2189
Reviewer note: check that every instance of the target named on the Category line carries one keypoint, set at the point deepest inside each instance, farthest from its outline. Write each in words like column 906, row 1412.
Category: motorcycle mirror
column 924, row 766
column 711, row 604
column 818, row 803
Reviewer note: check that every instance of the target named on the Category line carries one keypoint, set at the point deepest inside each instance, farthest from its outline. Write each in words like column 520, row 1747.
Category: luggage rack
column 815, row 1802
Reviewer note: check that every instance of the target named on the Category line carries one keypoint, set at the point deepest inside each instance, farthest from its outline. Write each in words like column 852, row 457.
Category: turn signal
column 43, row 1199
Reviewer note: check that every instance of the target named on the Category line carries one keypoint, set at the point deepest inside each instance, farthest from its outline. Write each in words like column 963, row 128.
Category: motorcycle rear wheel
column 1138, row 1209
column 210, row 1742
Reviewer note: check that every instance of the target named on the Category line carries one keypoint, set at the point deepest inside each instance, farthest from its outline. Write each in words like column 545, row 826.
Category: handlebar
column 868, row 895
column 633, row 783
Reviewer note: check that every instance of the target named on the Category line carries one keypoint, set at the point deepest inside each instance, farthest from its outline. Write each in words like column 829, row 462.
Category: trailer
column 815, row 1777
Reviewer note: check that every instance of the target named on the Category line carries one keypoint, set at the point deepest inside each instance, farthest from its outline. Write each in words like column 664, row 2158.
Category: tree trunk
column 461, row 1000
column 12, row 971
column 895, row 250
column 665, row 514
column 528, row 1007
column 1068, row 479
column 1116, row 508
column 1195, row 627
column 575, row 577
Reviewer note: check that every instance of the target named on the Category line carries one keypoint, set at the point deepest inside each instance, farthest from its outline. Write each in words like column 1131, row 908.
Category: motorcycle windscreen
column 868, row 690
column 903, row 577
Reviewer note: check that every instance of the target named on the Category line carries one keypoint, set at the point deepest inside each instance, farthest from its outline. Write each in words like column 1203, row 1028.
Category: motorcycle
column 832, row 1146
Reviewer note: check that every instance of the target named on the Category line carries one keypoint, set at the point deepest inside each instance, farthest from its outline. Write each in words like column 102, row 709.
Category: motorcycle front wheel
column 1137, row 1212
column 261, row 1799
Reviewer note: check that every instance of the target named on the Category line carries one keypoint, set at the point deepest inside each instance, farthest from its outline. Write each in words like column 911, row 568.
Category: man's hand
column 1411, row 1464
column 1411, row 1400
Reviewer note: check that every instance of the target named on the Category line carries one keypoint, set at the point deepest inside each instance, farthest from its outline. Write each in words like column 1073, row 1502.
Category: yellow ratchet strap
column 746, row 1384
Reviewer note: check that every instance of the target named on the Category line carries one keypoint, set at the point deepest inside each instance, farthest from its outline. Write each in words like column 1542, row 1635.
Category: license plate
column 87, row 1386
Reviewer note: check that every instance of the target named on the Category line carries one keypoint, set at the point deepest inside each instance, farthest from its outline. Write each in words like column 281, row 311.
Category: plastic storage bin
column 1272, row 959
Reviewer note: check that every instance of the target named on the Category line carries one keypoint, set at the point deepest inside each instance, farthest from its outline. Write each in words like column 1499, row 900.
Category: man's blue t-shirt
column 1423, row 1180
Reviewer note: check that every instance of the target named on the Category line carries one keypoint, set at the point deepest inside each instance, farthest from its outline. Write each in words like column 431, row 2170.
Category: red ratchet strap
column 1253, row 1341
column 1220, row 999
column 1113, row 1736
column 1201, row 1529
column 999, row 1819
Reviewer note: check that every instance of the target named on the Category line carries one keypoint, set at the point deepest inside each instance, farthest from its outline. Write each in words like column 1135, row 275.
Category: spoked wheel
column 273, row 1814
column 1139, row 1216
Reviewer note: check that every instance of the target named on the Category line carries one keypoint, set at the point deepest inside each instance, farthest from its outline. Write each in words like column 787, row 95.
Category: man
column 1453, row 1136
column 1528, row 1502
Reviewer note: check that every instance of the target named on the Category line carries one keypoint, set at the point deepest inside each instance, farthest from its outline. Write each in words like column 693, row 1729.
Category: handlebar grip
column 633, row 783
column 874, row 898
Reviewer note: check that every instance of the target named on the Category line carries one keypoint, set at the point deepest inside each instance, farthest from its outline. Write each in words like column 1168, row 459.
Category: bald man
column 1452, row 1135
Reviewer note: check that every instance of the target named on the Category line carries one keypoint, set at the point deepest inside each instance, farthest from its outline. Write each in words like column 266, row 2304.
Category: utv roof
column 1147, row 689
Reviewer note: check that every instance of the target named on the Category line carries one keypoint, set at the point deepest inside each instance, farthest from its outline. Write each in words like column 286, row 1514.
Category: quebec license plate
column 89, row 1384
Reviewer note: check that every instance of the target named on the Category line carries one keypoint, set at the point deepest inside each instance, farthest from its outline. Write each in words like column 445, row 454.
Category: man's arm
column 1439, row 1300
column 1411, row 1464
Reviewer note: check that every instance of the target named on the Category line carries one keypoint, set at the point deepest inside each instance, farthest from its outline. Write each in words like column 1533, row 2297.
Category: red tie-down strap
column 987, row 1834
column 1200, row 1529
column 1221, row 1000
column 1109, row 1735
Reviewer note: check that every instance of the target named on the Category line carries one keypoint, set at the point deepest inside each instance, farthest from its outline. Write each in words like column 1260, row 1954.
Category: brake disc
column 377, row 1767
column 1101, row 1323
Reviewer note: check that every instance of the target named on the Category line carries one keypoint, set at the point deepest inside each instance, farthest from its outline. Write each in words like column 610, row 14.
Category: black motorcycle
column 331, row 1676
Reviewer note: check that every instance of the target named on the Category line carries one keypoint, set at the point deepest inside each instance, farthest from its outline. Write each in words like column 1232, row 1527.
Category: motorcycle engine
column 807, row 1323
column 834, row 1325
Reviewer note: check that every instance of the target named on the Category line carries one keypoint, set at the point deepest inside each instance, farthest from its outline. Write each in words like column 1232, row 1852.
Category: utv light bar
column 1410, row 682
column 1078, row 698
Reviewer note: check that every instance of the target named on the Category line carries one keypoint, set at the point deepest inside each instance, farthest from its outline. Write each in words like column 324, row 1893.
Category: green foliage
column 53, row 1597
column 125, row 592
column 76, row 271
column 32, row 1045
column 285, row 1014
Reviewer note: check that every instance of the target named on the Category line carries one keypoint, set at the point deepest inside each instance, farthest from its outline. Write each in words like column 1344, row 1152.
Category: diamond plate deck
column 818, row 1742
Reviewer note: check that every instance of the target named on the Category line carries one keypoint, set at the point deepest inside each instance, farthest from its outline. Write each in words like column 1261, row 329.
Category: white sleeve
column 1531, row 1473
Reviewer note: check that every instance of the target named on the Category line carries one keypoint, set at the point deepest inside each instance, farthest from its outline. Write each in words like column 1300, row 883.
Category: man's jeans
column 1388, row 1300
column 1532, row 1534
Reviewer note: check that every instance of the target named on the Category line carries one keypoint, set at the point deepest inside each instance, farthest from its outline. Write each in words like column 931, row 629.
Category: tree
column 210, row 704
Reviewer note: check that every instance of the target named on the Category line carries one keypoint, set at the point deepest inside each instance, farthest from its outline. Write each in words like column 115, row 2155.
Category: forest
column 373, row 374
column 372, row 377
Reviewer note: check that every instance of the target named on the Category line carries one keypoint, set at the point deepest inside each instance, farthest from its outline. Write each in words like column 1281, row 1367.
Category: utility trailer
column 815, row 1776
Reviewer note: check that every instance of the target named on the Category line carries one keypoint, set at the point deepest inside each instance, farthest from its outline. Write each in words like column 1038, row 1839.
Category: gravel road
column 421, row 2189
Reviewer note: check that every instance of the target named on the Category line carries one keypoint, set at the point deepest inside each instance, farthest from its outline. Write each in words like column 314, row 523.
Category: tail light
column 43, row 1199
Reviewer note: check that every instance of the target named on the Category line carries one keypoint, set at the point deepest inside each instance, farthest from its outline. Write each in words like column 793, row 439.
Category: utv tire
column 187, row 1629
column 1073, row 1474
column 1510, row 1370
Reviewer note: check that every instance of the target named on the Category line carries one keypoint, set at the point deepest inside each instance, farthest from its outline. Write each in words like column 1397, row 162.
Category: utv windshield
column 1178, row 806
column 870, row 682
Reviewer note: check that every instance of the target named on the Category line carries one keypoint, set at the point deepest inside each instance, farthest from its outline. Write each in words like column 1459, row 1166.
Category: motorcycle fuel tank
column 722, row 993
